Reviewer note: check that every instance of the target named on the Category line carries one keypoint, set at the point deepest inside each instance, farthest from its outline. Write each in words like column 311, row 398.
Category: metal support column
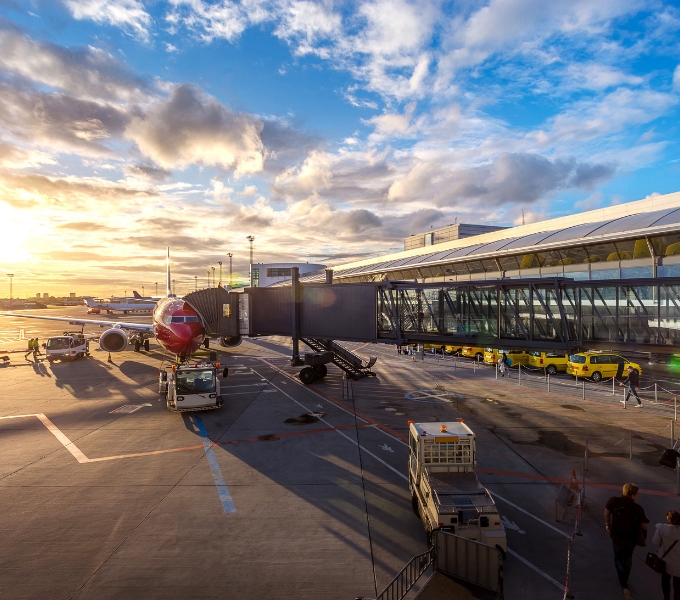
column 295, row 359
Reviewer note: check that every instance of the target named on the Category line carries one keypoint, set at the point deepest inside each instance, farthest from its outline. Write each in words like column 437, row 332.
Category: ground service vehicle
column 446, row 493
column 68, row 346
column 552, row 362
column 473, row 352
column 455, row 350
column 491, row 356
column 191, row 386
column 600, row 365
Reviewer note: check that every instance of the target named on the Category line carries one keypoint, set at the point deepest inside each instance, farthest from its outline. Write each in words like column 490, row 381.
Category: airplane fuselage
column 177, row 327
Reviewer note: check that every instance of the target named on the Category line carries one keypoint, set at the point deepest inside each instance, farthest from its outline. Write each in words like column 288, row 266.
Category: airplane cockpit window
column 184, row 320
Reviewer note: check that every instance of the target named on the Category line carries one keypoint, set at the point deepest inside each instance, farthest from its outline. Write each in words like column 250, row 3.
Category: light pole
column 251, row 239
column 174, row 287
column 143, row 292
column 208, row 278
column 11, row 277
column 196, row 281
column 230, row 255
column 213, row 270
column 220, row 263
column 125, row 296
column 156, row 288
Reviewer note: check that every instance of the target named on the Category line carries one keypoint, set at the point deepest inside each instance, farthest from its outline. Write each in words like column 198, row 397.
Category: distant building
column 264, row 275
column 37, row 295
column 457, row 231
column 46, row 295
column 72, row 295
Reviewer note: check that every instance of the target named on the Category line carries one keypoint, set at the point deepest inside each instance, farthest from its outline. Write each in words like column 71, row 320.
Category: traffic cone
column 109, row 358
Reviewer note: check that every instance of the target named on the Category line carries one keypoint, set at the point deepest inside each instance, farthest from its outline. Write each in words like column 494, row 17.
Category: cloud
column 147, row 172
column 194, row 128
column 218, row 20
column 83, row 226
column 129, row 15
column 600, row 77
column 85, row 72
column 312, row 176
column 510, row 178
column 676, row 79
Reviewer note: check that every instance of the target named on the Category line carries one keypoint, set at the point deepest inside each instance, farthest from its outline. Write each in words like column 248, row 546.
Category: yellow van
column 473, row 352
column 453, row 350
column 600, row 365
column 552, row 362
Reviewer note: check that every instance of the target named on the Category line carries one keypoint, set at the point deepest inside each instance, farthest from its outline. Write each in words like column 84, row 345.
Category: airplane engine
column 113, row 340
column 229, row 341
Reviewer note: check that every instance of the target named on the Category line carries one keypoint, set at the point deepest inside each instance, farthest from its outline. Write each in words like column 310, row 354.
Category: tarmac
column 252, row 501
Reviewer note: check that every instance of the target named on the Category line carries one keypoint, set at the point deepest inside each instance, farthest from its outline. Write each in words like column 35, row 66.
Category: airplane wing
column 129, row 326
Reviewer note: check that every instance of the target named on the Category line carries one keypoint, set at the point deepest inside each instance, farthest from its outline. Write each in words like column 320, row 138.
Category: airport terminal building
column 635, row 240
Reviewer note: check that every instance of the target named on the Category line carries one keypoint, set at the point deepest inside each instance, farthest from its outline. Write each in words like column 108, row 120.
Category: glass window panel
column 527, row 241
column 668, row 271
column 475, row 266
column 575, row 255
column 489, row 265
column 637, row 272
column 671, row 218
column 551, row 258
column 632, row 222
column 669, row 245
column 508, row 263
column 606, row 274
column 572, row 233
column 601, row 252
column 492, row 246
column 530, row 261
column 625, row 248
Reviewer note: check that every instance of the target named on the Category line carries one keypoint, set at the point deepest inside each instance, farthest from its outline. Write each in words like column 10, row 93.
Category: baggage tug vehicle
column 446, row 493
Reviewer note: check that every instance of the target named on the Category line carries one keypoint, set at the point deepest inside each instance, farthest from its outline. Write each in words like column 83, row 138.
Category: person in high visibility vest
column 30, row 348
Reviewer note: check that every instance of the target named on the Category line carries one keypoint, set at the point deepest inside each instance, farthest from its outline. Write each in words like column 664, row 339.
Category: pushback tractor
column 191, row 386
column 446, row 493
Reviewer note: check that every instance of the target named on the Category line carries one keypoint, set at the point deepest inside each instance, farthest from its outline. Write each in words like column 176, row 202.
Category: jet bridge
column 560, row 314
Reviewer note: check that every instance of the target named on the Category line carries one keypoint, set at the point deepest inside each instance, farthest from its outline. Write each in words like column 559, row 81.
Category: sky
column 327, row 130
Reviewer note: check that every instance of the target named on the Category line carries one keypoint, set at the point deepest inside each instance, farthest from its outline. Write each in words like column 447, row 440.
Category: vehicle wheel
column 137, row 345
column 324, row 370
column 307, row 375
column 596, row 376
column 479, row 356
column 146, row 345
column 552, row 369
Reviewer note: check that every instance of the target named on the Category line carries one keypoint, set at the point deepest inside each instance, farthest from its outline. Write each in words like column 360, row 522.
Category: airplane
column 96, row 307
column 139, row 298
column 176, row 326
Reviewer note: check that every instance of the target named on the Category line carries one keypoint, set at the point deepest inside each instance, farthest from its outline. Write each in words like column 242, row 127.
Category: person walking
column 501, row 365
column 36, row 345
column 29, row 349
column 666, row 537
column 633, row 382
column 627, row 524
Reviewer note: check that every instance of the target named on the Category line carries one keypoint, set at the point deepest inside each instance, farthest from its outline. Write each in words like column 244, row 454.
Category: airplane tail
column 90, row 302
column 168, row 285
column 136, row 295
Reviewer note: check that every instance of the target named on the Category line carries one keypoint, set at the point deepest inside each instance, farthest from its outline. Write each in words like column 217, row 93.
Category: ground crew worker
column 36, row 347
column 30, row 348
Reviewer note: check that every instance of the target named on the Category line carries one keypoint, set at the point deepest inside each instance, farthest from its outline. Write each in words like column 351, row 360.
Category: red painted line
column 605, row 486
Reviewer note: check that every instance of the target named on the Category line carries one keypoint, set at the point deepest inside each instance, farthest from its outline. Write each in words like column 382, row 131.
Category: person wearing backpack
column 627, row 524
column 666, row 537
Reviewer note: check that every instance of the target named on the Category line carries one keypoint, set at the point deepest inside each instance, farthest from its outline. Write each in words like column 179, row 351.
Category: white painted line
column 54, row 430
column 535, row 568
column 229, row 387
column 520, row 509
column 380, row 460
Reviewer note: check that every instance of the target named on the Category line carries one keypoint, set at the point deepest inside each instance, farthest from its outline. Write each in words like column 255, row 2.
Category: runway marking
column 535, row 568
column 54, row 430
column 221, row 486
column 337, row 429
column 519, row 508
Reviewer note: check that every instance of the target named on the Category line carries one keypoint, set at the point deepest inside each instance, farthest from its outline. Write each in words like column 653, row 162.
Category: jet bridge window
column 447, row 452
